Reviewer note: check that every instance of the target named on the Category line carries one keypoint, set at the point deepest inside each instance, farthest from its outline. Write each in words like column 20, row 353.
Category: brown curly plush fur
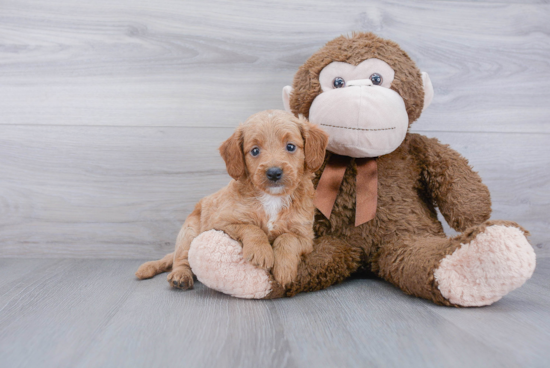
column 405, row 242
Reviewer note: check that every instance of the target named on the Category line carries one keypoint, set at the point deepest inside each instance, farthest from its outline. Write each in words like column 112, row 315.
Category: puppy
column 268, row 206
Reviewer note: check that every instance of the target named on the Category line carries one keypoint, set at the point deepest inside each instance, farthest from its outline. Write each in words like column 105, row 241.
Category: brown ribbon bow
column 366, row 193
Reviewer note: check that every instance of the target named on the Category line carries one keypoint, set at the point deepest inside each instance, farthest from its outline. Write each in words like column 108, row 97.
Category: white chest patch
column 272, row 206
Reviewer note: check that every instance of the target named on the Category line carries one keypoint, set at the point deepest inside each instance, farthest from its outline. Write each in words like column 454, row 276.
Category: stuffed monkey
column 378, row 190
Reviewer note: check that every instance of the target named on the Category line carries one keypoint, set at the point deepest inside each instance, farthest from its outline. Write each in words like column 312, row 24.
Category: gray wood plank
column 505, row 325
column 12, row 271
column 50, row 318
column 92, row 313
column 358, row 323
column 113, row 192
column 106, row 192
column 209, row 63
column 120, row 191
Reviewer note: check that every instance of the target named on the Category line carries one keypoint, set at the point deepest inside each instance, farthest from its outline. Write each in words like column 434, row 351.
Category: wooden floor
column 94, row 313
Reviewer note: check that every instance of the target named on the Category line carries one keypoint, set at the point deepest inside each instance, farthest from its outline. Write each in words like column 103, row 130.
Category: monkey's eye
column 376, row 79
column 339, row 82
column 255, row 151
column 290, row 147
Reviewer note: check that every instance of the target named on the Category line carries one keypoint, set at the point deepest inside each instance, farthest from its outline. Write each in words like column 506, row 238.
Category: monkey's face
column 359, row 111
column 362, row 90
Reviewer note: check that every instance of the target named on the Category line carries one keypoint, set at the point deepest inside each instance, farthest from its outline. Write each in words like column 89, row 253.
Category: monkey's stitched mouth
column 369, row 130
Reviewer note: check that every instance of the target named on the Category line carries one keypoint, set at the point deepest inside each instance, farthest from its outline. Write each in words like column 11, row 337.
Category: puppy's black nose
column 274, row 173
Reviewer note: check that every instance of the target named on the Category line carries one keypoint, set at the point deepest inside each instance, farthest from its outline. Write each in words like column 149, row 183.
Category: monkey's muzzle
column 361, row 120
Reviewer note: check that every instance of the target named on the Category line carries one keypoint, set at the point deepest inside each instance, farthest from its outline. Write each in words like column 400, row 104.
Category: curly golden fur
column 273, row 219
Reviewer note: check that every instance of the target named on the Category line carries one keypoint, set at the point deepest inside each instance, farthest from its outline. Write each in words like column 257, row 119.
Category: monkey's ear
column 232, row 153
column 428, row 90
column 316, row 141
column 287, row 90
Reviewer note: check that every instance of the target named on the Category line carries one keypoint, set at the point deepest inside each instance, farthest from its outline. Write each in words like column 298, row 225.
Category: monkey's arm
column 455, row 188
column 332, row 261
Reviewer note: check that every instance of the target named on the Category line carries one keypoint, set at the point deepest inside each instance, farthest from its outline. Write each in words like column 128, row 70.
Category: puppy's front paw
column 259, row 255
column 181, row 278
column 285, row 268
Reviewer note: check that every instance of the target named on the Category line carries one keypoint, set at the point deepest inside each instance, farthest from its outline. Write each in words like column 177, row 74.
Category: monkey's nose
column 274, row 173
column 359, row 82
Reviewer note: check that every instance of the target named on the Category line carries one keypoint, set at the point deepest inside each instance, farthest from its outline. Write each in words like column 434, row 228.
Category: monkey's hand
column 455, row 188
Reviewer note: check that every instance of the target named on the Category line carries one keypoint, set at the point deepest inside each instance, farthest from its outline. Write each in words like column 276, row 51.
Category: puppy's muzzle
column 274, row 174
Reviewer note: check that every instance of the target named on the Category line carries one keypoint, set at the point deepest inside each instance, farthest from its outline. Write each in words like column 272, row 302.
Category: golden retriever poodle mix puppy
column 267, row 207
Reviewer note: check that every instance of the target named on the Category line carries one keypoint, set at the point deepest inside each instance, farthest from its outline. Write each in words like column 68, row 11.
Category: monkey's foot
column 217, row 261
column 495, row 262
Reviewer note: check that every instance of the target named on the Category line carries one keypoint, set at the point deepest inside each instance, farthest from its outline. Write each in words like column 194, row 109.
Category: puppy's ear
column 232, row 153
column 316, row 141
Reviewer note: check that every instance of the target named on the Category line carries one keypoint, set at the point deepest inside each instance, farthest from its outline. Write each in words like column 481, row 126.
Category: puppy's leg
column 256, row 248
column 152, row 268
column 181, row 276
column 288, row 249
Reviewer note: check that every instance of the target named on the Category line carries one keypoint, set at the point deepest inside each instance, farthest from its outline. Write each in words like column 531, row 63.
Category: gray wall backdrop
column 111, row 112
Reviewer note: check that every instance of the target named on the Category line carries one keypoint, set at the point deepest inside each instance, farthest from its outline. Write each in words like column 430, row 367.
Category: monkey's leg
column 332, row 261
column 181, row 276
column 217, row 261
column 152, row 268
column 475, row 268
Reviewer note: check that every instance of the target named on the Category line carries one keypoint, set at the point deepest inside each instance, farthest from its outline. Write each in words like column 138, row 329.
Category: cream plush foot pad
column 481, row 272
column 217, row 261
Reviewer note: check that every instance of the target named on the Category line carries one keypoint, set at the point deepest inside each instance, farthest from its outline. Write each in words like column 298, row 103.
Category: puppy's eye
column 290, row 147
column 376, row 79
column 255, row 151
column 338, row 82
